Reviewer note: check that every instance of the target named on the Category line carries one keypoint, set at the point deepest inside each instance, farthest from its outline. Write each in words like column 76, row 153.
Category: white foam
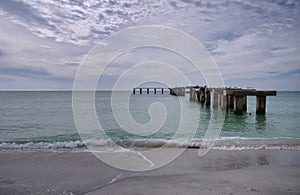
column 42, row 145
column 233, row 143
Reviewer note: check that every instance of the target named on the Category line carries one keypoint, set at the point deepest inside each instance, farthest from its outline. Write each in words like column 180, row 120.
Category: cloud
column 78, row 22
column 24, row 55
column 24, row 72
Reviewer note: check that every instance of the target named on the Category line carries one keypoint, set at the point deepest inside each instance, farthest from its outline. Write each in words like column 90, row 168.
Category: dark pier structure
column 155, row 90
column 226, row 98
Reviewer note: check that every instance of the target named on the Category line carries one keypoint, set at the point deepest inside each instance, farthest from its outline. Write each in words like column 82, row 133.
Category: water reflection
column 260, row 122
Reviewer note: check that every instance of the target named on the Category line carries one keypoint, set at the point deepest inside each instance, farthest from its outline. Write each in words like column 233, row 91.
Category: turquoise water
column 37, row 118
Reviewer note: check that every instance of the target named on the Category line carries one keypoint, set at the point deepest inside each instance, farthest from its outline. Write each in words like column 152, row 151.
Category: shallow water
column 47, row 118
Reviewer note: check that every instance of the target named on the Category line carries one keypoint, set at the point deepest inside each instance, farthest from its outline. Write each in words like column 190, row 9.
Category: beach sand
column 77, row 171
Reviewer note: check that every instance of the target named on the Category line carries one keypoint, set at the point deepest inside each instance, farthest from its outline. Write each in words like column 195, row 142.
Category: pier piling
column 215, row 99
column 260, row 105
column 238, row 104
column 224, row 102
column 244, row 103
column 207, row 97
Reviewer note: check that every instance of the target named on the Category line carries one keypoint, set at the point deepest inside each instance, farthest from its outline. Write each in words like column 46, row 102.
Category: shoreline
column 224, row 143
column 77, row 171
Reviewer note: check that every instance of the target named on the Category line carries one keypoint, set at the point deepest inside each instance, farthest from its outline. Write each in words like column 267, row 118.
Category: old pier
column 150, row 89
column 225, row 98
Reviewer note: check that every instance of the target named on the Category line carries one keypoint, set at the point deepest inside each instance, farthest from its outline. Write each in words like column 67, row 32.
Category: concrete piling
column 202, row 95
column 260, row 105
column 230, row 99
column 191, row 93
column 238, row 104
column 207, row 97
column 195, row 96
column 224, row 102
column 244, row 103
column 215, row 99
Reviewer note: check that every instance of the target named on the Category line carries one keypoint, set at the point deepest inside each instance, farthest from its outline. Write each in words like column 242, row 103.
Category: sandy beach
column 77, row 171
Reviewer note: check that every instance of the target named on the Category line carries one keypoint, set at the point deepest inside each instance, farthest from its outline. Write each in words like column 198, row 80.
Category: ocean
column 44, row 119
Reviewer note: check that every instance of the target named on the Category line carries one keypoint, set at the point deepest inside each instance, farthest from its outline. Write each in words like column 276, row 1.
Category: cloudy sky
column 254, row 43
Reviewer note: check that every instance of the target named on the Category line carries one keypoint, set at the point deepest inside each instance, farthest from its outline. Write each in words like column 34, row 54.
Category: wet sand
column 77, row 171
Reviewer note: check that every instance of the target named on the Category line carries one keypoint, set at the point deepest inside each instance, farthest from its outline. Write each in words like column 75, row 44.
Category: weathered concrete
column 230, row 99
column 260, row 104
column 224, row 102
column 207, row 97
column 244, row 103
column 191, row 93
column 195, row 96
column 198, row 96
column 215, row 99
column 178, row 91
column 202, row 97
column 149, row 89
column 252, row 92
column 235, row 98
column 202, row 94
column 238, row 104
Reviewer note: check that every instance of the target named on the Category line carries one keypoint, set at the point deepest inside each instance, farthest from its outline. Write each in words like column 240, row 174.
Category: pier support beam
column 224, row 102
column 191, row 93
column 195, row 96
column 261, row 105
column 245, row 103
column 147, row 90
column 238, row 104
column 141, row 90
column 230, row 99
column 133, row 90
column 198, row 96
column 162, row 90
column 202, row 96
column 215, row 100
column 154, row 90
column 207, row 98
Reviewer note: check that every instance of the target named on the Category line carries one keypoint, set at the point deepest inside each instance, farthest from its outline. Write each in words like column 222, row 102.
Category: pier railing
column 155, row 90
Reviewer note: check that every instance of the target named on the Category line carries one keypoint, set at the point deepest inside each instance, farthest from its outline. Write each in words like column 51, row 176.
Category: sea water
column 43, row 119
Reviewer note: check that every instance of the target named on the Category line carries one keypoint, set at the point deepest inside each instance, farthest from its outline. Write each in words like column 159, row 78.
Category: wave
column 41, row 145
column 223, row 143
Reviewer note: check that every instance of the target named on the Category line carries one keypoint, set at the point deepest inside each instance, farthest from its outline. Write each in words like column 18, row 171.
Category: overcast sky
column 254, row 43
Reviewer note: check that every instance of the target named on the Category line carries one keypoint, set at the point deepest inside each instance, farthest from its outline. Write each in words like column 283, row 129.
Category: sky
column 254, row 43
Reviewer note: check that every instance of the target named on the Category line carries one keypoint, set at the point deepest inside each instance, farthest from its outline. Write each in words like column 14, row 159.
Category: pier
column 224, row 98
column 230, row 98
column 154, row 90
